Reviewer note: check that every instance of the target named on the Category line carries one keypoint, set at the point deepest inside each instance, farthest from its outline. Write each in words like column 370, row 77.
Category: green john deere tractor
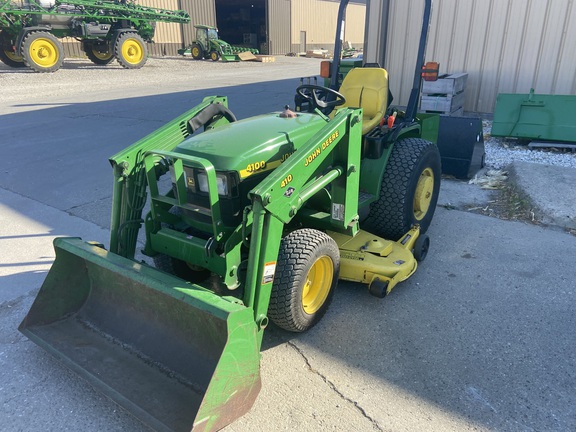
column 249, row 221
column 209, row 46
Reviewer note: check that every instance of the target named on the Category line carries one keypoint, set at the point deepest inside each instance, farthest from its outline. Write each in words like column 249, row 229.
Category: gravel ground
column 168, row 74
column 500, row 153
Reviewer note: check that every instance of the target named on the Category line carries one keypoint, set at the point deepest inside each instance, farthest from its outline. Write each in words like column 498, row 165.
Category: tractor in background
column 209, row 46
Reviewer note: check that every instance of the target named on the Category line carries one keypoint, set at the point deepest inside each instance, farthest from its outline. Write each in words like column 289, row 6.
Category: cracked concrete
column 333, row 386
column 296, row 399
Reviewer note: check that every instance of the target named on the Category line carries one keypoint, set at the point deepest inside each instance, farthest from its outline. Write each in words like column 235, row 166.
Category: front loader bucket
column 175, row 355
column 230, row 58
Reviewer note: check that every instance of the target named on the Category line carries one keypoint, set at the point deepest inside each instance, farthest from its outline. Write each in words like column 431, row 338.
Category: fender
column 25, row 31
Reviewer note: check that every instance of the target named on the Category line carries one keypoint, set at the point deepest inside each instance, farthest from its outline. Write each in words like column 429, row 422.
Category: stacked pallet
column 445, row 95
column 265, row 58
column 318, row 53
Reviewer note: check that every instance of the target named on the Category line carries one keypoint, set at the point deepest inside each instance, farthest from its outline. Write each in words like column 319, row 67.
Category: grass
column 509, row 203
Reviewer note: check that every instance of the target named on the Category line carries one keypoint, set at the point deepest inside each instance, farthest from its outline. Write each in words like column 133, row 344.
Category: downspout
column 376, row 31
column 338, row 45
column 412, row 107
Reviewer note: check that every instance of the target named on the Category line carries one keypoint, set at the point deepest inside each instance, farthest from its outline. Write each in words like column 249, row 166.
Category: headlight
column 221, row 181
column 188, row 180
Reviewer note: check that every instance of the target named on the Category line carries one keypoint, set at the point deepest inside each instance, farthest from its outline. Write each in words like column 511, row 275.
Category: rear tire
column 409, row 190
column 42, row 52
column 197, row 52
column 130, row 50
column 7, row 54
column 99, row 54
column 306, row 277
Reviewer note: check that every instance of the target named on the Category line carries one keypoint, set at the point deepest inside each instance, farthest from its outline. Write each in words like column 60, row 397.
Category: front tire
column 409, row 190
column 214, row 55
column 42, row 52
column 306, row 277
column 130, row 50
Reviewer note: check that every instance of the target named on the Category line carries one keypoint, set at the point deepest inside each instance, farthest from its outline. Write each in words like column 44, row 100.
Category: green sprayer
column 30, row 31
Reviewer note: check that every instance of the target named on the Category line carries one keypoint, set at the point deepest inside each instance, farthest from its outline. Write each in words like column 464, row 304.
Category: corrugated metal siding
column 377, row 12
column 279, row 23
column 504, row 46
column 201, row 12
column 318, row 19
column 72, row 48
column 168, row 36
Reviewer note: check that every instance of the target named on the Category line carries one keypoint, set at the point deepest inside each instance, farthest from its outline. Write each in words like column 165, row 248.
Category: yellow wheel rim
column 101, row 55
column 195, row 52
column 423, row 193
column 317, row 284
column 132, row 51
column 13, row 56
column 43, row 52
column 214, row 56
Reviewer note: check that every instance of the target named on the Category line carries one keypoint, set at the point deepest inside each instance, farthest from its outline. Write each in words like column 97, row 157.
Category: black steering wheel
column 323, row 98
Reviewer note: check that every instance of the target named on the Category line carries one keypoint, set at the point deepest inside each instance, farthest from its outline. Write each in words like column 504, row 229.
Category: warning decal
column 338, row 212
column 269, row 270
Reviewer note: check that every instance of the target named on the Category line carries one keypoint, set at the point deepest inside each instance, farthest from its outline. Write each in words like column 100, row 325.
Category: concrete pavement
column 480, row 338
column 551, row 189
column 545, row 190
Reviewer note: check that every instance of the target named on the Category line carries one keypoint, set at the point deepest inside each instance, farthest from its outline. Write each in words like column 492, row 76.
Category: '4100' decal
column 256, row 166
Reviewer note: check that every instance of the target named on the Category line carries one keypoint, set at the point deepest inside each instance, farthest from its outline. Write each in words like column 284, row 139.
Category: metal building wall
column 168, row 36
column 318, row 19
column 504, row 46
column 278, row 24
column 72, row 48
column 201, row 12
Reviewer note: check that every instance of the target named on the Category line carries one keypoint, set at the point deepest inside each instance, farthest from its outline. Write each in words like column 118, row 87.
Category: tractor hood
column 253, row 145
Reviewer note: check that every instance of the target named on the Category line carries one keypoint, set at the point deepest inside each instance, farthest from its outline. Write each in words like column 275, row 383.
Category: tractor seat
column 366, row 88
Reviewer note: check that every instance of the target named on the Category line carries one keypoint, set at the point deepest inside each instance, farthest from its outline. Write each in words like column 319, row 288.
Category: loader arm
column 129, row 192
column 288, row 188
column 278, row 199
